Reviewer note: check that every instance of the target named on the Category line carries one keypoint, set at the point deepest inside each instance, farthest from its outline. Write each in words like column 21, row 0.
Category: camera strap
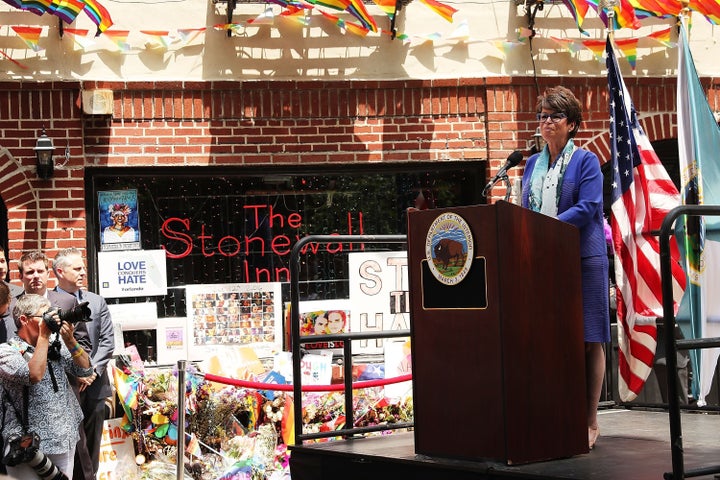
column 24, row 417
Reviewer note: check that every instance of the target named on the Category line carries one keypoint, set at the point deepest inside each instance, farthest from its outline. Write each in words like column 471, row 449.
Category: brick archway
column 23, row 205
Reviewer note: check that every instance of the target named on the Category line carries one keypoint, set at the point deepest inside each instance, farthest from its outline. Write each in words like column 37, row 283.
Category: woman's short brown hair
column 561, row 99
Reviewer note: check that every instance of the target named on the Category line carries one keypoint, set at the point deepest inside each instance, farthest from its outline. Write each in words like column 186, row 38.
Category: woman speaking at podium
column 565, row 182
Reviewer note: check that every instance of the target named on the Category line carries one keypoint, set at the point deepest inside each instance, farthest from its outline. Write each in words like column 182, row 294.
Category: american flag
column 642, row 194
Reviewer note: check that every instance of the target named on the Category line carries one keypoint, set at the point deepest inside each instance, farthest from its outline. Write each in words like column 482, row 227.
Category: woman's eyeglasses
column 554, row 117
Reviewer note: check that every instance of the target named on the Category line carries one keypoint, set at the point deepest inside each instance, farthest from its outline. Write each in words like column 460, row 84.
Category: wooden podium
column 498, row 356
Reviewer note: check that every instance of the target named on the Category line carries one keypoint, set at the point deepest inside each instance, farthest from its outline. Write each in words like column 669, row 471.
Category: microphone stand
column 508, row 186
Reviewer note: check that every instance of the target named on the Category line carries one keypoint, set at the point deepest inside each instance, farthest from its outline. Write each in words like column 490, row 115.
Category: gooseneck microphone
column 513, row 159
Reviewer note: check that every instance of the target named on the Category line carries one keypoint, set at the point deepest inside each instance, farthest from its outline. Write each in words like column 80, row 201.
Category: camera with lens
column 26, row 449
column 79, row 313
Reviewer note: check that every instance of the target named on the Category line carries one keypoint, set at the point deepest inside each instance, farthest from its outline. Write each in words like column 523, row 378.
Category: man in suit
column 34, row 273
column 69, row 268
column 14, row 292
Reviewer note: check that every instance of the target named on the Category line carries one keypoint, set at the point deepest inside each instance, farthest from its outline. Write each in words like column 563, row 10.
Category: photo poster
column 379, row 296
column 322, row 317
column 118, row 220
column 220, row 316
column 172, row 344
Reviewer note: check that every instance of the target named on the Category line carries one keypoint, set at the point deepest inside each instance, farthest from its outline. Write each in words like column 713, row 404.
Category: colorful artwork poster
column 324, row 317
column 232, row 314
column 118, row 220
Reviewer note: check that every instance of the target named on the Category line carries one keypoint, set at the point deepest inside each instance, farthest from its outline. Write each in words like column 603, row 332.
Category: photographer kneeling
column 40, row 413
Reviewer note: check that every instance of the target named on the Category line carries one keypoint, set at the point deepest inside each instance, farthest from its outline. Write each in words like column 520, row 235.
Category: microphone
column 513, row 159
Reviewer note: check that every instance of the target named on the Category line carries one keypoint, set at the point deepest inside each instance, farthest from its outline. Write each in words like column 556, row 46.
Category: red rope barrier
column 305, row 388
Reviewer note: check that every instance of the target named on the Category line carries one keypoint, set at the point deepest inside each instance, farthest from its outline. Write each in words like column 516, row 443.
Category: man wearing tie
column 71, row 275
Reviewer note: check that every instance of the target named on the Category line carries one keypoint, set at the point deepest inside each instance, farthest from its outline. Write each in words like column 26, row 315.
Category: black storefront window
column 238, row 225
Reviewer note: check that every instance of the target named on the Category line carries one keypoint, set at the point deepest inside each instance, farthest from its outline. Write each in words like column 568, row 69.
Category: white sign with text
column 379, row 296
column 132, row 273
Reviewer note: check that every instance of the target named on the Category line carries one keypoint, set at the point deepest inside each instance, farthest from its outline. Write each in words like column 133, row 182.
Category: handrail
column 671, row 344
column 294, row 265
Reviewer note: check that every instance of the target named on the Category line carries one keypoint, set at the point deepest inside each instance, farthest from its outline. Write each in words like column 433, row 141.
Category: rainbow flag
column 445, row 11
column 579, row 9
column 624, row 16
column 98, row 14
column 387, row 6
column 38, row 7
column 656, row 8
column 356, row 29
column 67, row 10
column 357, row 9
column 127, row 391
column 29, row 35
column 14, row 3
column 334, row 4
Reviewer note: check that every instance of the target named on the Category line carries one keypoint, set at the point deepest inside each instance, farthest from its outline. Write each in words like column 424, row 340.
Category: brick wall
column 279, row 123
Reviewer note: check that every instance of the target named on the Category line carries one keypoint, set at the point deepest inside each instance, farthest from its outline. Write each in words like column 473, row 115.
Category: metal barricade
column 672, row 345
column 346, row 338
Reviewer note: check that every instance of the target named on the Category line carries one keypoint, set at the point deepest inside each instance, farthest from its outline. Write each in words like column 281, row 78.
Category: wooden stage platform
column 633, row 445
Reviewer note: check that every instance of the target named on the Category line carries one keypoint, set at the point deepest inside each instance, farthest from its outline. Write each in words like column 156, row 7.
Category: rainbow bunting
column 387, row 6
column 265, row 18
column 296, row 15
column 119, row 37
column 445, row 11
column 24, row 67
column 578, row 9
column 595, row 46
column 98, row 15
column 628, row 47
column 523, row 33
column 504, row 46
column 357, row 9
column 187, row 35
column 29, row 35
column 462, row 32
column 568, row 44
column 67, row 10
column 80, row 37
column 662, row 36
column 158, row 38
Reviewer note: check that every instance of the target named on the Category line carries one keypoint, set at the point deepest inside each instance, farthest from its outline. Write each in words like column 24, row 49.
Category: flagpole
column 609, row 5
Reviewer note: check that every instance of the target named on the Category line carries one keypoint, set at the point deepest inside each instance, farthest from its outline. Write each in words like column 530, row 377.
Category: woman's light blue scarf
column 540, row 174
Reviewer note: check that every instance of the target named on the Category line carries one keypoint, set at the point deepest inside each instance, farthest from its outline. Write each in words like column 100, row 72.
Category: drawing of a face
column 321, row 325
column 336, row 322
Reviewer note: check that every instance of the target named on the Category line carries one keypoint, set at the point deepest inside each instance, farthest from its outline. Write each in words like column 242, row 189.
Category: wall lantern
column 44, row 156
column 536, row 143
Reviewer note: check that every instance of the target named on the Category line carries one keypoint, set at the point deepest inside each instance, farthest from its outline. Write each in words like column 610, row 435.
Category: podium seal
column 449, row 248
